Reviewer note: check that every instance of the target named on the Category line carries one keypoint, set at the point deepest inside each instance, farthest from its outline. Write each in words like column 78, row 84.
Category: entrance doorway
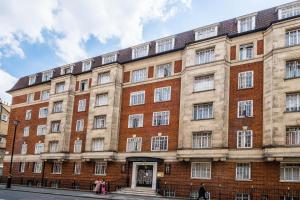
column 144, row 176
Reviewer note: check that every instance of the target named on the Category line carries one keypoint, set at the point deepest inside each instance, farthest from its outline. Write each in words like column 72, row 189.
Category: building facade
column 4, row 114
column 218, row 105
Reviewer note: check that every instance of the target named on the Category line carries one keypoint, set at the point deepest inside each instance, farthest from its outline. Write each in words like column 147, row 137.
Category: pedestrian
column 98, row 184
column 202, row 192
column 103, row 187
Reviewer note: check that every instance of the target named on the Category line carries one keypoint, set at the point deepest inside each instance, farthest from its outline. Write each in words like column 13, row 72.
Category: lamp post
column 8, row 184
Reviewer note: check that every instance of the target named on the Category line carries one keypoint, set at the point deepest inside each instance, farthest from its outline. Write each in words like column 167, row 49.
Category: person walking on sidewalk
column 98, row 184
column 202, row 192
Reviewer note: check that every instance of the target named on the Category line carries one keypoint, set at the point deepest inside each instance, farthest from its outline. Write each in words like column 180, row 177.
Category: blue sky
column 36, row 35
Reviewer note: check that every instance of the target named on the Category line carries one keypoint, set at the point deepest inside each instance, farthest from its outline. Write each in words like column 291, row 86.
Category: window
column 289, row 11
column 162, row 94
column 202, row 140
column 38, row 166
column 245, row 108
column 245, row 80
column 26, row 131
column 159, row 143
column 39, row 148
column 203, row 83
column 4, row 117
column 57, row 106
column 81, row 105
column 104, row 78
column 100, row 121
column 30, row 98
column 43, row 113
column 77, row 146
column 246, row 24
column 102, row 99
column 60, row 87
column 134, row 144
column 45, row 95
column 137, row 98
column 41, row 130
column 203, row 111
column 293, row 136
column 290, row 172
column 24, row 149
column 243, row 171
column 244, row 139
column 109, row 58
column 22, row 167
column 32, row 80
column 292, row 69
column 53, row 146
column 98, row 144
column 206, row 32
column 164, row 70
column 100, row 168
column 246, row 51
column 292, row 37
column 139, row 75
column 242, row 196
column 84, row 85
column 79, row 125
column 55, row 126
column 77, row 168
column 165, row 44
column 135, row 120
column 66, row 70
column 201, row 170
column 86, row 65
column 47, row 75
column 160, row 118
column 293, row 102
column 28, row 115
column 205, row 56
column 57, row 168
column 140, row 51
column 289, row 197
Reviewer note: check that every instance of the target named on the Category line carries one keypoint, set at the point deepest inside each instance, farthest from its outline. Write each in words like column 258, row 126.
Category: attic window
column 66, row 70
column 289, row 10
column 206, row 32
column 165, row 44
column 246, row 24
column 47, row 75
column 109, row 58
column 86, row 65
column 140, row 51
column 32, row 79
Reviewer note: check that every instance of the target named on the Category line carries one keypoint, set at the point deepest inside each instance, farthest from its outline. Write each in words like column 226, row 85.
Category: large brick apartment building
column 219, row 104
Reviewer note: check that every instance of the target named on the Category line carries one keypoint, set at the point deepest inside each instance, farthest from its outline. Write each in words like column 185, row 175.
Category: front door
column 144, row 176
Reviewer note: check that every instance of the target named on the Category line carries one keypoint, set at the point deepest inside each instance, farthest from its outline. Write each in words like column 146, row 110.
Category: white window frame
column 193, row 164
column 98, row 147
column 41, row 130
column 202, row 140
column 244, row 53
column 289, row 168
column 24, row 149
column 292, row 69
column 54, row 146
column 4, row 117
column 103, row 78
column 100, row 98
column 292, row 102
column 86, row 65
column 77, row 146
column 79, row 125
column 32, row 79
column 134, row 144
column 139, row 75
column 77, row 168
column 30, row 98
column 55, row 128
column 158, row 122
column 289, row 10
column 243, row 80
column 204, row 83
column 57, row 107
column 47, row 75
column 39, row 148
column 28, row 114
column 102, row 122
column 252, row 23
column 22, row 167
column 45, row 95
column 38, row 167
column 245, row 102
column 81, row 105
column 26, row 131
column 60, row 87
column 292, row 37
column 159, row 95
column 141, row 98
column 163, row 70
column 204, row 56
column 164, row 44
column 241, row 139
column 131, row 119
column 242, row 177
column 206, row 32
column 43, row 112
column 203, row 111
column 143, row 47
column 57, row 168
column 100, row 168
column 109, row 58
column 242, row 196
column 160, row 140
column 84, row 87
column 293, row 136
column 64, row 69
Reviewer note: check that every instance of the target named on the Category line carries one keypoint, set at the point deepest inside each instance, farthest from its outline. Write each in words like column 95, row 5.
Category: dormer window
column 246, row 24
column 86, row 65
column 140, row 51
column 66, row 70
column 109, row 58
column 206, row 32
column 32, row 79
column 289, row 10
column 47, row 75
column 165, row 44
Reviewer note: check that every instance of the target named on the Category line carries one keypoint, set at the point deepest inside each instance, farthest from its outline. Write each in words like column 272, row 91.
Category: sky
column 36, row 35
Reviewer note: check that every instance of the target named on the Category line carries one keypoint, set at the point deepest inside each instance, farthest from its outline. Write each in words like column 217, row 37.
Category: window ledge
column 196, row 178
column 162, row 101
column 246, row 88
column 101, row 106
column 245, row 117
column 160, row 125
column 244, row 148
column 202, row 91
column 136, row 127
column 203, row 119
column 289, row 181
column 241, row 180
column 98, row 128
column 291, row 78
column 137, row 104
column 291, row 111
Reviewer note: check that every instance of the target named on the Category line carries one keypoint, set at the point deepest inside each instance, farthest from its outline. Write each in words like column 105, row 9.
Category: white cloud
column 73, row 22
column 6, row 82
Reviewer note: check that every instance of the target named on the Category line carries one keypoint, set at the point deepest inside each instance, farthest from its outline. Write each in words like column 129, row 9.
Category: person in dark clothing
column 202, row 192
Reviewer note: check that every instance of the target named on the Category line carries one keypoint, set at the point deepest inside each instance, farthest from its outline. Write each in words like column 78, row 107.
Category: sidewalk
column 81, row 194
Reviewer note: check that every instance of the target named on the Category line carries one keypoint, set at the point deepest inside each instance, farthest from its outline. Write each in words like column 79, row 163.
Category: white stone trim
column 134, row 172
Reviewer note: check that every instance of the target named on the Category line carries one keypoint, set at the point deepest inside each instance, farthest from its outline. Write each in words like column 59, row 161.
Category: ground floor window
column 37, row 167
column 242, row 196
column 77, row 168
column 289, row 198
column 201, row 170
column 57, row 168
column 243, row 171
column 22, row 167
column 290, row 172
column 100, row 168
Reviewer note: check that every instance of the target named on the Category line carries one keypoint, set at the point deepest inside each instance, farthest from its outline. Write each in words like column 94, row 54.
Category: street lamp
column 8, row 184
